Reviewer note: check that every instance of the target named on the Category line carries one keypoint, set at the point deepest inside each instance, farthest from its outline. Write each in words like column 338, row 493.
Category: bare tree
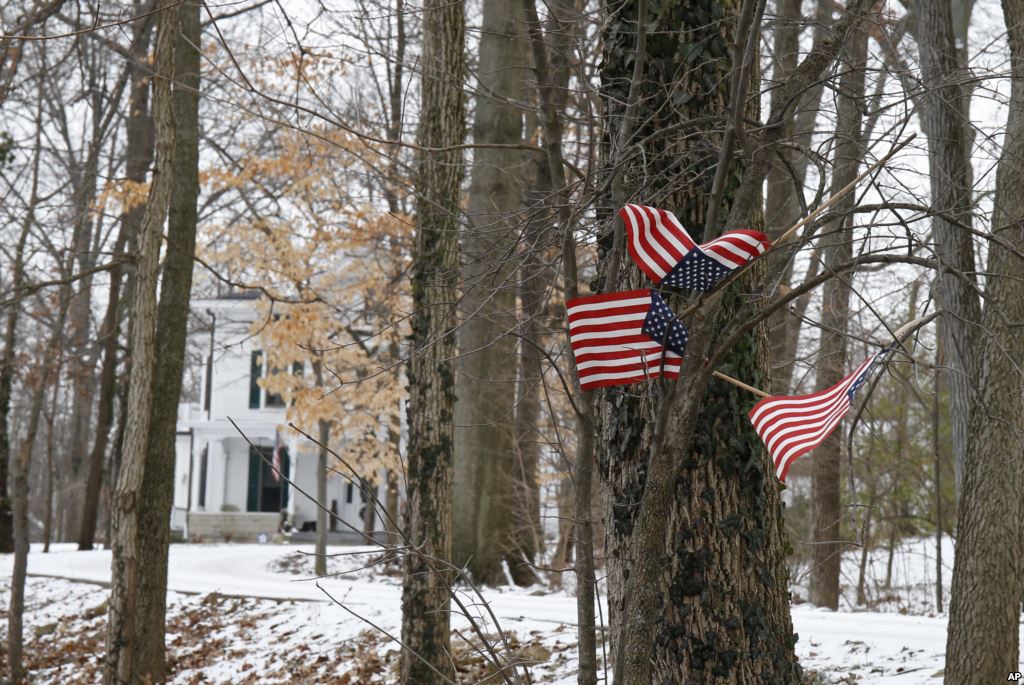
column 826, row 512
column 982, row 644
column 425, row 588
column 486, row 373
column 124, row 657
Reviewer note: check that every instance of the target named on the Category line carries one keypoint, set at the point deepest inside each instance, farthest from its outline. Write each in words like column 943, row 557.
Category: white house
column 225, row 487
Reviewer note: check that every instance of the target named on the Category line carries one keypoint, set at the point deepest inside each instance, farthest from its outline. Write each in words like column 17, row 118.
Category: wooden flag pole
column 842, row 192
column 899, row 335
column 740, row 384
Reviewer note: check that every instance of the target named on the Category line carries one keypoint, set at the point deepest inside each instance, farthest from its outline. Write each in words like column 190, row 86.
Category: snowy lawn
column 253, row 614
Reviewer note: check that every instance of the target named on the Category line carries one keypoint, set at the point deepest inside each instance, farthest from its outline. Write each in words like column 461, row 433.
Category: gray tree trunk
column 982, row 642
column 127, row 567
column 426, row 583
column 826, row 514
column 482, row 507
column 945, row 120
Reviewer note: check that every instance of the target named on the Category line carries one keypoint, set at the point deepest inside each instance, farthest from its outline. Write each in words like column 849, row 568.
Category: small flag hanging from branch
column 626, row 337
column 793, row 425
column 664, row 251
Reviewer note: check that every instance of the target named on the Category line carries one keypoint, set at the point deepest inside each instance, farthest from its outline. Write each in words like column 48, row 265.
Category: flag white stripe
column 611, row 304
column 638, row 245
column 670, row 236
column 612, row 318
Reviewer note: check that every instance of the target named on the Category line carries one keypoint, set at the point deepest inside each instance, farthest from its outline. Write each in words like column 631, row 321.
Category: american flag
column 617, row 338
column 792, row 426
column 664, row 251
column 277, row 456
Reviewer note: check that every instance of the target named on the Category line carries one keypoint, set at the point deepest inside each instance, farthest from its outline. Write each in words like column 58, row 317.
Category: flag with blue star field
column 793, row 425
column 664, row 251
column 626, row 337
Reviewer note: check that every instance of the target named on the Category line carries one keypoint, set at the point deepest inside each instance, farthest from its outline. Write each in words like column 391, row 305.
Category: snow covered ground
column 253, row 614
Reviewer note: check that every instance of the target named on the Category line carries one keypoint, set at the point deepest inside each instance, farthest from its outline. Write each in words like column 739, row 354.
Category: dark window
column 265, row 492
column 298, row 369
column 255, row 371
column 274, row 400
column 202, row 475
column 348, row 493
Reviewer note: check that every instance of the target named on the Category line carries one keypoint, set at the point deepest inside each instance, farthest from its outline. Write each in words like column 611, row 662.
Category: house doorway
column 267, row 493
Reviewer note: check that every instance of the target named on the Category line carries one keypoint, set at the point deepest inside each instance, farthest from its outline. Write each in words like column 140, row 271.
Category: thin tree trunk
column 20, row 486
column 937, row 452
column 585, row 402
column 862, row 597
column 826, row 514
column 324, row 428
column 123, row 658
column 426, row 584
column 51, row 421
column 138, row 157
column 8, row 359
column 482, row 507
column 982, row 644
column 320, row 560
column 891, row 548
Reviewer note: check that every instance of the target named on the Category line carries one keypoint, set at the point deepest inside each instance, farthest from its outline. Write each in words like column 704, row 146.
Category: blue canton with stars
column 695, row 271
column 866, row 373
column 659, row 317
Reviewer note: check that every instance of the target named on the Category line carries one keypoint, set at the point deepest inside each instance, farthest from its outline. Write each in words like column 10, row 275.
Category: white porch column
column 293, row 474
column 216, row 476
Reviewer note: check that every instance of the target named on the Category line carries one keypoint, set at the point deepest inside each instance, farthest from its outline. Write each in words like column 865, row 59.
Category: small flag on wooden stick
column 626, row 337
column 663, row 250
column 793, row 425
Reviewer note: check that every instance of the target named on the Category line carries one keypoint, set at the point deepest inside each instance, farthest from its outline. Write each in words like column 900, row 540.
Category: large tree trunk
column 138, row 157
column 944, row 118
column 426, row 582
column 172, row 330
column 826, row 514
column 697, row 581
column 984, row 611
column 129, row 569
column 482, row 507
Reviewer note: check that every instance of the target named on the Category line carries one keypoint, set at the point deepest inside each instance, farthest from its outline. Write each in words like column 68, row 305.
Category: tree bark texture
column 982, row 640
column 425, row 658
column 484, row 470
column 124, row 656
column 946, row 123
column 826, row 513
column 138, row 157
column 172, row 330
column 716, row 609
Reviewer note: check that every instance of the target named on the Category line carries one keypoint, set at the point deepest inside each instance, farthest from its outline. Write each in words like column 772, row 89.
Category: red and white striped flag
column 793, row 425
column 664, row 251
column 617, row 338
